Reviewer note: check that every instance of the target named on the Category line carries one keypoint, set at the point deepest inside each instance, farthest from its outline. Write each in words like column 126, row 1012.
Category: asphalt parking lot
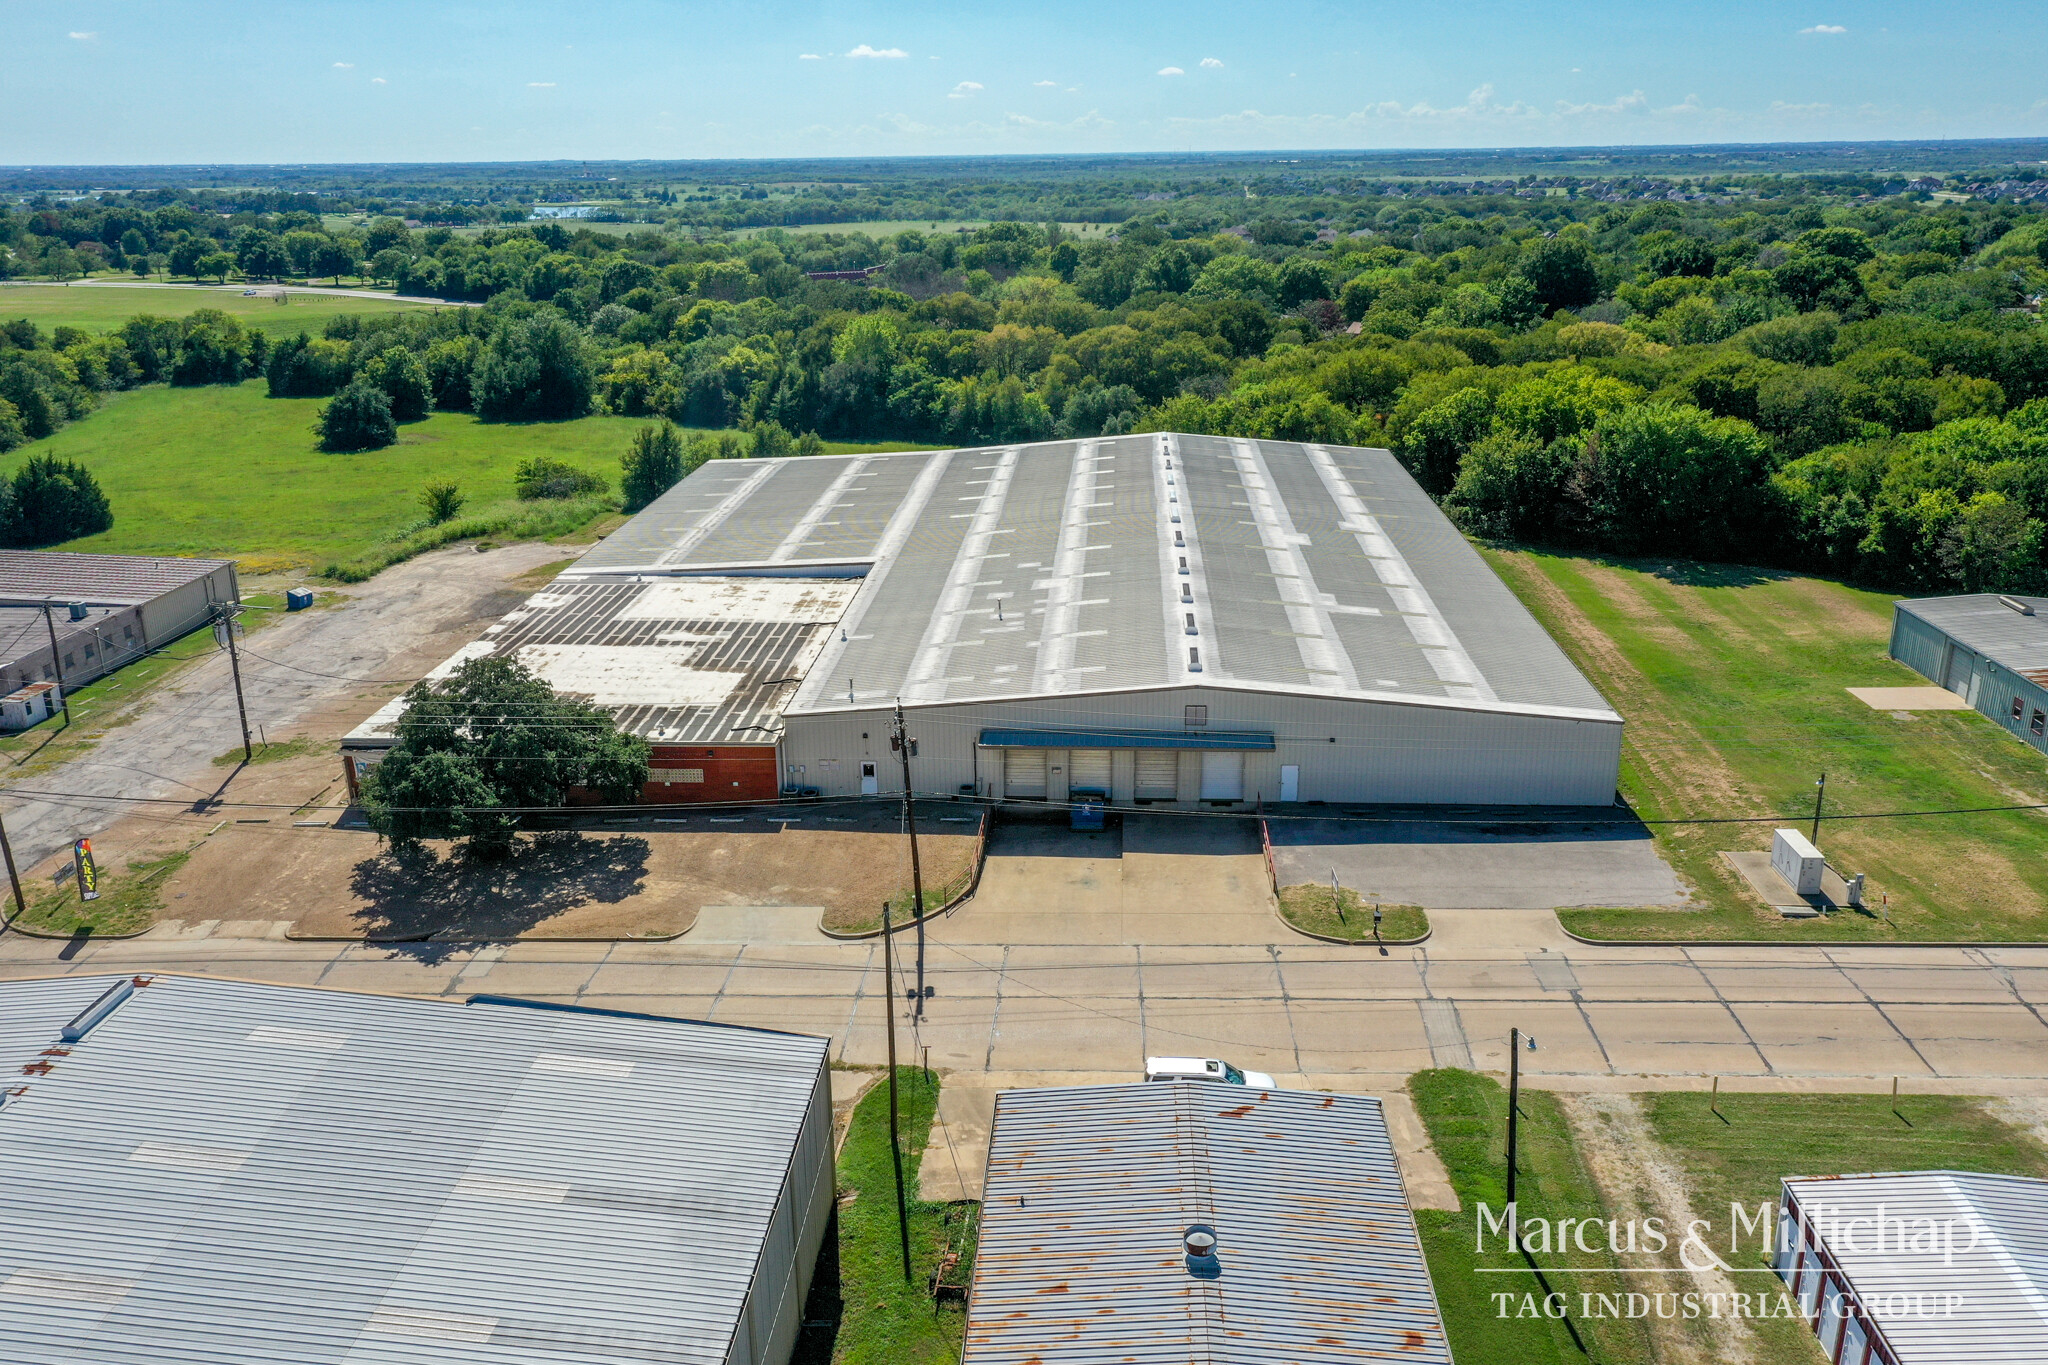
column 1478, row 859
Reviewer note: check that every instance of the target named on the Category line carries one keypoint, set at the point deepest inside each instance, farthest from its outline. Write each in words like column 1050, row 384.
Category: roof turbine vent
column 1199, row 1242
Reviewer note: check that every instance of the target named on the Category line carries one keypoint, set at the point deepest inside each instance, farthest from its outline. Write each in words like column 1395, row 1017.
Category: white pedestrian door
column 1290, row 782
column 1158, row 774
column 1024, row 772
column 1088, row 770
column 1222, row 775
column 870, row 785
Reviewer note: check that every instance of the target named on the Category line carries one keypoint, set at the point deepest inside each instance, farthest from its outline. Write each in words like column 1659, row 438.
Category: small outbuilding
column 1186, row 1220
column 104, row 611
column 1989, row 649
column 222, row 1172
column 1918, row 1267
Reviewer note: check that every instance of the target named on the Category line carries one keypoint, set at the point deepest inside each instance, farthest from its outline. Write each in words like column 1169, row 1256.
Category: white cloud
column 344, row 66
column 1635, row 102
column 1211, row 64
column 964, row 90
column 1171, row 71
column 378, row 80
column 540, row 85
column 1829, row 29
column 84, row 37
column 1042, row 85
column 809, row 57
column 864, row 50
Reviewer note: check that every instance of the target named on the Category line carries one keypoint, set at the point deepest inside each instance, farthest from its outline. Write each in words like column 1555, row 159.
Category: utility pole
column 13, row 876
column 1514, row 1100
column 895, row 1144
column 902, row 743
column 57, row 665
column 225, row 614
column 1820, row 791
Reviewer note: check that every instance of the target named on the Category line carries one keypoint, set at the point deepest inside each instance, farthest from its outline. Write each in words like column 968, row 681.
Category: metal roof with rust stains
column 1090, row 1190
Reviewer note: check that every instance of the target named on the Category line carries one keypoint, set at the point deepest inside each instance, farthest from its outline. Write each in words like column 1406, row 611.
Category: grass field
column 1310, row 906
column 94, row 309
column 886, row 1321
column 1733, row 684
column 228, row 471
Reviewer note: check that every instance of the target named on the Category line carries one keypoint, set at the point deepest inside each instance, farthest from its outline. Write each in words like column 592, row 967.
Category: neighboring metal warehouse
column 107, row 610
column 224, row 1173
column 1989, row 650
column 1093, row 1195
column 1919, row 1267
column 1179, row 619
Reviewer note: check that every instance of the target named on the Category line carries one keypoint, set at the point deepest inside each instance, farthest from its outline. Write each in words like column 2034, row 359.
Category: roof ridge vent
column 110, row 1000
column 2023, row 608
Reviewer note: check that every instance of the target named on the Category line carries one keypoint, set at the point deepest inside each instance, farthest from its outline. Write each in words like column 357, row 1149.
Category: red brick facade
column 681, row 773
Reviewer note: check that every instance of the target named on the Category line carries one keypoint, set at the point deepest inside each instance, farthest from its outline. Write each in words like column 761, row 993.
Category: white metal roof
column 223, row 1173
column 1991, row 1283
column 1119, row 564
column 1090, row 1190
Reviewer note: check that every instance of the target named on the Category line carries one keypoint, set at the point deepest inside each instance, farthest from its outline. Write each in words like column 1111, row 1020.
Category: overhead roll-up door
column 1222, row 775
column 1158, row 774
column 1024, row 772
column 1088, row 770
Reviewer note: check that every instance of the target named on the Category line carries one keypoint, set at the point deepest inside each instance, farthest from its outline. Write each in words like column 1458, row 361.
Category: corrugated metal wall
column 1346, row 750
column 1990, row 688
column 773, row 1314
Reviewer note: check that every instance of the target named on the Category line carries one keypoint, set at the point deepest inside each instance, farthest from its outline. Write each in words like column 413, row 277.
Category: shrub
column 442, row 500
column 359, row 418
column 404, row 380
column 50, row 500
column 652, row 466
column 544, row 477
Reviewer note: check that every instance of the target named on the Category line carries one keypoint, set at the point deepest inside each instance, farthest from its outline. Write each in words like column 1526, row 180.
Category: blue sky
column 137, row 81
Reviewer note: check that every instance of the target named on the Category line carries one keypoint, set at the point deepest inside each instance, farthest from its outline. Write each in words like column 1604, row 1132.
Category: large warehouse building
column 1989, row 650
column 1173, row 619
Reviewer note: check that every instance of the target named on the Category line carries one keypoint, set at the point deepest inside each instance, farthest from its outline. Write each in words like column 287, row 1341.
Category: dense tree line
column 1842, row 382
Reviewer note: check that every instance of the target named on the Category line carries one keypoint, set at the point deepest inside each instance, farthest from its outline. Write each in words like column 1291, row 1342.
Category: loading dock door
column 1158, row 774
column 1222, row 775
column 1088, row 770
column 1024, row 772
column 1957, row 669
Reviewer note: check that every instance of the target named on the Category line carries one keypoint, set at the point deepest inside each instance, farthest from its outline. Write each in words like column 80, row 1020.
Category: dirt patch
column 588, row 879
column 1638, row 1180
column 2028, row 1113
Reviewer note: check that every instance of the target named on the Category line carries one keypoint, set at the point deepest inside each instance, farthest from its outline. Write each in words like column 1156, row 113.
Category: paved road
column 1960, row 1020
column 286, row 288
column 397, row 625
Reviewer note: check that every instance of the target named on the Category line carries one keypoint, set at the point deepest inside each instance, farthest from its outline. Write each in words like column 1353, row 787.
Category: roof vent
column 110, row 1000
column 1199, row 1242
column 2023, row 608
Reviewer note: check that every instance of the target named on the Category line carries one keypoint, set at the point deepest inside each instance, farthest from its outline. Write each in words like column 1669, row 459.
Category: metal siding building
column 1090, row 1191
column 1991, row 654
column 133, row 604
column 1919, row 1267
column 1175, row 586
column 226, row 1173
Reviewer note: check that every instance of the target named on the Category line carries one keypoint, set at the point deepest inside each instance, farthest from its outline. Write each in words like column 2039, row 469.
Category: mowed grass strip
column 98, row 308
column 228, row 471
column 1466, row 1115
column 886, row 1320
column 1309, row 906
column 1733, row 682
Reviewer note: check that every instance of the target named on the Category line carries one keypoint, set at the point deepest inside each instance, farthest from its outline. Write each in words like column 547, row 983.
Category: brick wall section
column 681, row 773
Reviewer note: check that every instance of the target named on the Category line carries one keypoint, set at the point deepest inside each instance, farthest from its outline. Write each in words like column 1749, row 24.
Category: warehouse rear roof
column 1985, row 624
column 102, row 580
column 1074, row 567
column 1090, row 1191
column 222, row 1172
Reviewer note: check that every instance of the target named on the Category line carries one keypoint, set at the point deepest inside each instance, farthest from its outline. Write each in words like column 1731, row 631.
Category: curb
column 435, row 937
column 1795, row 942
column 1357, row 942
column 66, row 938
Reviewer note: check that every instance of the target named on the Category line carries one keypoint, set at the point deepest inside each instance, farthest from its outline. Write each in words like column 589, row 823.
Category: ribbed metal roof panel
column 105, row 580
column 1090, row 1190
column 1309, row 569
column 33, row 1014
column 1982, row 623
column 1988, row 1288
column 228, row 1173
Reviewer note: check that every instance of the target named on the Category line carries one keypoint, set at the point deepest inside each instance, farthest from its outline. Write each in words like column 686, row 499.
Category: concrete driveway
column 1156, row 879
column 1479, row 860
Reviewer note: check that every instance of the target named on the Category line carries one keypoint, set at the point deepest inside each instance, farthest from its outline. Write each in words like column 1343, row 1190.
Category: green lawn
column 1310, row 906
column 886, row 1321
column 1733, row 685
column 1466, row 1115
column 228, row 471
column 94, row 309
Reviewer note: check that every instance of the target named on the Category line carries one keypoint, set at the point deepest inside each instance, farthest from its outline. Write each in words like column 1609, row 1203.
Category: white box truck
column 1795, row 859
